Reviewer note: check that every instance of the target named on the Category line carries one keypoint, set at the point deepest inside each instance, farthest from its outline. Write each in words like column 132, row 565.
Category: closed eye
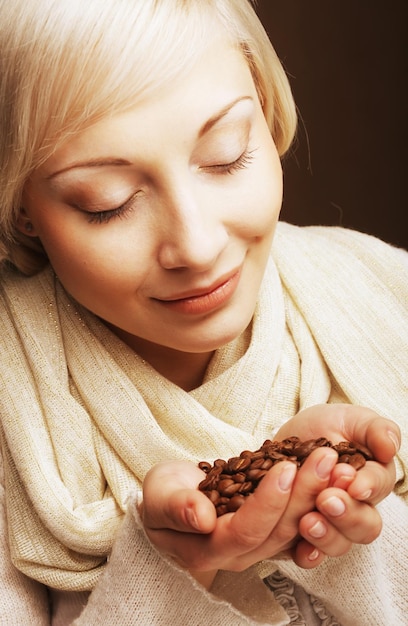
column 103, row 217
column 242, row 162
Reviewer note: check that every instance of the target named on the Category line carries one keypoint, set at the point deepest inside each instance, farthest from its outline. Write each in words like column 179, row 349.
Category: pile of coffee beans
column 228, row 483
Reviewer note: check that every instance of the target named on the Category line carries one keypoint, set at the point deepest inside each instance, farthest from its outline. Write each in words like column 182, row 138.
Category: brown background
column 347, row 63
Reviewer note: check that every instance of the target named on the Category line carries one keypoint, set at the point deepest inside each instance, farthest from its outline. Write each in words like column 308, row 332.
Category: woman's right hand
column 181, row 521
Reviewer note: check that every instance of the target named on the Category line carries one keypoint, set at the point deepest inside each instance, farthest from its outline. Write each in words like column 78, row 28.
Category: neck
column 185, row 369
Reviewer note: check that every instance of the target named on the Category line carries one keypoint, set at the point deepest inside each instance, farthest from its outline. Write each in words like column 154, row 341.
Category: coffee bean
column 255, row 475
column 205, row 466
column 229, row 483
column 246, row 487
column 228, row 488
column 238, row 464
column 222, row 509
column 213, row 495
column 345, row 458
column 239, row 477
column 357, row 461
column 256, row 464
column 235, row 502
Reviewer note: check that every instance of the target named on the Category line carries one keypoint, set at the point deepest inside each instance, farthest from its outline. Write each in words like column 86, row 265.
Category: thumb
column 171, row 499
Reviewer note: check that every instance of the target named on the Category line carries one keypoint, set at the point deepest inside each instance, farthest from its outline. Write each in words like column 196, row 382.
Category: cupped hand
column 339, row 422
column 346, row 512
column 313, row 512
column 181, row 521
column 346, row 422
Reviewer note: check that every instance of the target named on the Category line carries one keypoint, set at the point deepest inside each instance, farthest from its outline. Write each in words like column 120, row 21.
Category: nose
column 193, row 233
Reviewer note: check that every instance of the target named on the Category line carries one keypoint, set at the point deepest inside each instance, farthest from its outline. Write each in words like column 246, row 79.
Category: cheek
column 267, row 182
column 265, row 197
column 67, row 250
column 273, row 187
column 87, row 260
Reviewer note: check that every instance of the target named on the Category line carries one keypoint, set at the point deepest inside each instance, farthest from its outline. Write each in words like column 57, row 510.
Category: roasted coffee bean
column 228, row 488
column 255, row 474
column 222, row 509
column 357, row 460
column 246, row 487
column 239, row 477
column 238, row 464
column 205, row 466
column 228, row 483
column 258, row 454
column 235, row 502
column 213, row 495
column 208, row 484
column 267, row 464
column 223, row 500
column 256, row 464
column 304, row 449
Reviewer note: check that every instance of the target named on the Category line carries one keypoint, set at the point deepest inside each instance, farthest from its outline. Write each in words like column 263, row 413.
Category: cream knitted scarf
column 84, row 418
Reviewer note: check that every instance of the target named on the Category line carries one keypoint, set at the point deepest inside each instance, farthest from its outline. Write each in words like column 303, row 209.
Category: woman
column 144, row 320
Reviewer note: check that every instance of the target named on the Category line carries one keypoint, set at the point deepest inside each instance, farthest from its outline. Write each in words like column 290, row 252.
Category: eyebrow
column 103, row 162
column 218, row 116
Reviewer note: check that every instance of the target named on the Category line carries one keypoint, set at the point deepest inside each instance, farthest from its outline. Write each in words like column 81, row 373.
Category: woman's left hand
column 345, row 511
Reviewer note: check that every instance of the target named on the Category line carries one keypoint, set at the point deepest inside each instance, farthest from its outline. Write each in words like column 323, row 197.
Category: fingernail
column 366, row 495
column 314, row 555
column 287, row 476
column 394, row 440
column 343, row 482
column 334, row 506
column 325, row 465
column 318, row 530
column 192, row 518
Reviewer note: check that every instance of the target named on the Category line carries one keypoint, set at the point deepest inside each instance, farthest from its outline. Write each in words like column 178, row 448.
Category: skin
column 204, row 184
column 326, row 508
column 175, row 274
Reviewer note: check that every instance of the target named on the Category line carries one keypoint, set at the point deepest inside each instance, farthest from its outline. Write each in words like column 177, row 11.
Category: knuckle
column 246, row 540
column 336, row 549
column 373, row 533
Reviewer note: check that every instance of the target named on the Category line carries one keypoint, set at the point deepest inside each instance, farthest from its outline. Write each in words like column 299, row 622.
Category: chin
column 215, row 339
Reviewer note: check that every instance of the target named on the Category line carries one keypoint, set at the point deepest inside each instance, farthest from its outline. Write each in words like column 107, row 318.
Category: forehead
column 211, row 90
column 105, row 62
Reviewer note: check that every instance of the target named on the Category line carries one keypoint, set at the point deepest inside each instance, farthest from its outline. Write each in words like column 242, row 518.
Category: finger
column 172, row 500
column 373, row 482
column 320, row 534
column 345, row 421
column 189, row 510
column 379, row 434
column 383, row 440
column 237, row 539
column 357, row 521
column 258, row 517
column 311, row 479
column 306, row 555
column 342, row 476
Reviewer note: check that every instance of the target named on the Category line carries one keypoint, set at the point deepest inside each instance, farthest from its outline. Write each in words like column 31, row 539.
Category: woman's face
column 160, row 219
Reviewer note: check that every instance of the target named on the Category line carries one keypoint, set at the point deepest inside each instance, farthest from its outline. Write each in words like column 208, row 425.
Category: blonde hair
column 65, row 65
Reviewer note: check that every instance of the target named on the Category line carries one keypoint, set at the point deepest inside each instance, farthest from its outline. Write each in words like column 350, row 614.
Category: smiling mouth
column 205, row 301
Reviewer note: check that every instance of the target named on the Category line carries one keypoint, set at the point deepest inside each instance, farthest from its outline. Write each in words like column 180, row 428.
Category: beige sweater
column 83, row 419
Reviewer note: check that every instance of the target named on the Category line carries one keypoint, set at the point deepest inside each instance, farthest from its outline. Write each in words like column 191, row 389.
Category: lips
column 200, row 301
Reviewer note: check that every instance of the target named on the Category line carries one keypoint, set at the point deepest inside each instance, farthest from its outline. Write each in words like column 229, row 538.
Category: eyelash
column 103, row 217
column 239, row 164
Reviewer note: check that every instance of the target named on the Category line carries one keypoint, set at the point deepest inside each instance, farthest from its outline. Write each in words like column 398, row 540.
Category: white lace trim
column 284, row 590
